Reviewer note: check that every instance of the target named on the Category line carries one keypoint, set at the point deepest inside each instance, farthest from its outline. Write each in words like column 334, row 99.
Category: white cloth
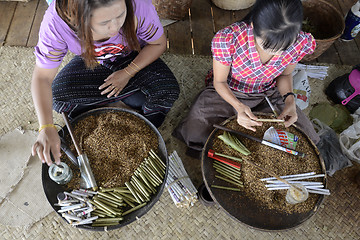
column 349, row 139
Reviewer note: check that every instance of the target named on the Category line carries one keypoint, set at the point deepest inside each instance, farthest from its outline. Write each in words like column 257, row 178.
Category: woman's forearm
column 148, row 54
column 224, row 91
column 284, row 84
column 42, row 94
column 220, row 84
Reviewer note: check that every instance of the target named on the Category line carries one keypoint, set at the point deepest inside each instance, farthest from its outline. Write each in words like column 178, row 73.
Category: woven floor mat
column 338, row 217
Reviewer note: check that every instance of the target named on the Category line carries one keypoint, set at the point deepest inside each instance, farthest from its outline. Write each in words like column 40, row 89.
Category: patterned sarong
column 76, row 88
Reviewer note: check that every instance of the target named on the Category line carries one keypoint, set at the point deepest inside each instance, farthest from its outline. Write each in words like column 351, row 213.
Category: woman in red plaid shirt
column 252, row 59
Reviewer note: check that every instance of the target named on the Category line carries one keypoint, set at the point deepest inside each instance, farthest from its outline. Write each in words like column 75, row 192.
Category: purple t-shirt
column 56, row 36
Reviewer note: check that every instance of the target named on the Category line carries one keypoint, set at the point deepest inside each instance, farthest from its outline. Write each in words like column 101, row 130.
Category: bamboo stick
column 134, row 208
column 226, row 188
column 270, row 120
column 234, row 177
column 229, row 157
column 229, row 181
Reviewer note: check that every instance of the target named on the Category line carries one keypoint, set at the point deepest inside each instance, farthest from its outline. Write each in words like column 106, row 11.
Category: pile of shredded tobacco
column 115, row 143
column 281, row 163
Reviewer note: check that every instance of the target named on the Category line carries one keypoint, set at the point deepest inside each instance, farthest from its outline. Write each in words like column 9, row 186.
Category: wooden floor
column 20, row 22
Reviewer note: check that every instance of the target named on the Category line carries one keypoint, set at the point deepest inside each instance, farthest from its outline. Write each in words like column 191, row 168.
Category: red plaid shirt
column 235, row 46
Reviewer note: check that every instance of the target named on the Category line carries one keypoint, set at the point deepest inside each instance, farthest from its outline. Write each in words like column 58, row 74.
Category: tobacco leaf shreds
column 281, row 163
column 115, row 144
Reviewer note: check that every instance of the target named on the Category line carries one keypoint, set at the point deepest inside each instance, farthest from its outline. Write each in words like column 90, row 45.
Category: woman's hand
column 47, row 141
column 246, row 118
column 119, row 79
column 115, row 83
column 289, row 113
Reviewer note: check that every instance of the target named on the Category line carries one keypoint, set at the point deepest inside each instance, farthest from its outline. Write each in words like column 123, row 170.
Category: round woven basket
column 172, row 9
column 233, row 4
column 328, row 24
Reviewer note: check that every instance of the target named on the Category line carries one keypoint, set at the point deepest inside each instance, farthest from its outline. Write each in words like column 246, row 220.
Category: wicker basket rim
column 337, row 12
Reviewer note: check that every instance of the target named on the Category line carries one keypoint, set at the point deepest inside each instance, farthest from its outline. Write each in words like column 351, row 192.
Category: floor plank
column 347, row 6
column 222, row 18
column 331, row 55
column 347, row 52
column 240, row 14
column 179, row 37
column 357, row 41
column 34, row 32
column 21, row 24
column 202, row 26
column 7, row 10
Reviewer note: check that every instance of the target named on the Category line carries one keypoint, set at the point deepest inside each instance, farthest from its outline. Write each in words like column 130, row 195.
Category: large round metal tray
column 241, row 207
column 51, row 188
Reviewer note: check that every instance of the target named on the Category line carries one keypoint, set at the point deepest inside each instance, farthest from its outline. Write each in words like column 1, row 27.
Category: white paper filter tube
column 319, row 192
column 318, row 188
column 287, row 187
column 71, row 207
column 302, row 183
column 298, row 178
column 289, row 176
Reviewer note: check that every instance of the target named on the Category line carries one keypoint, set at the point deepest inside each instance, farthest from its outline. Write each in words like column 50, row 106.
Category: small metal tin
column 61, row 174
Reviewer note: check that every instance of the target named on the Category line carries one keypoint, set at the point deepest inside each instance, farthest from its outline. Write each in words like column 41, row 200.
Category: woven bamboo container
column 328, row 23
column 233, row 4
column 172, row 9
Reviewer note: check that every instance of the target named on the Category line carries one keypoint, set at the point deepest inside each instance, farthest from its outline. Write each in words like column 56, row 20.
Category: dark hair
column 77, row 14
column 276, row 22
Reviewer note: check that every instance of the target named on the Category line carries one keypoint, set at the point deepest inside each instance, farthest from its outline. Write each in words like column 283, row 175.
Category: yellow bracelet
column 133, row 68
column 135, row 65
column 128, row 72
column 45, row 126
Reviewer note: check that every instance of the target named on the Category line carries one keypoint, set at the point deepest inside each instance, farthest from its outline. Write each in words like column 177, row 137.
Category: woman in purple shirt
column 117, row 45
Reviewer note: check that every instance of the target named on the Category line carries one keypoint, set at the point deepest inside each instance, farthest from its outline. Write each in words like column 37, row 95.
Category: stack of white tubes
column 76, row 208
column 313, row 71
column 312, row 187
column 178, row 183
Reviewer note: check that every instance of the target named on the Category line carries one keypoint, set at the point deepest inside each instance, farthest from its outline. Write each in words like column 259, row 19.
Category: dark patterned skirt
column 153, row 90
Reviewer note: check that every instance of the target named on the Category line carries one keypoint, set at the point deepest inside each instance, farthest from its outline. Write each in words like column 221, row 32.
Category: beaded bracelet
column 45, row 126
column 288, row 94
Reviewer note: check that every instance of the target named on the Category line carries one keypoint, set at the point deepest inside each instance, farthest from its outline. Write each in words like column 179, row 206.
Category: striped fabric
column 235, row 46
column 75, row 88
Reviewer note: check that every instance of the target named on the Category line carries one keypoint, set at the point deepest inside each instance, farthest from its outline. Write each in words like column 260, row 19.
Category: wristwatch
column 288, row 94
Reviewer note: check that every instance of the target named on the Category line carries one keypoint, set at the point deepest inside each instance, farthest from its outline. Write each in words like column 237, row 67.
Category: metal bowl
column 245, row 210
column 51, row 188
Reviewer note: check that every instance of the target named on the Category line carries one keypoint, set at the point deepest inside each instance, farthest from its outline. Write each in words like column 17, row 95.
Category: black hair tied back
column 277, row 22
